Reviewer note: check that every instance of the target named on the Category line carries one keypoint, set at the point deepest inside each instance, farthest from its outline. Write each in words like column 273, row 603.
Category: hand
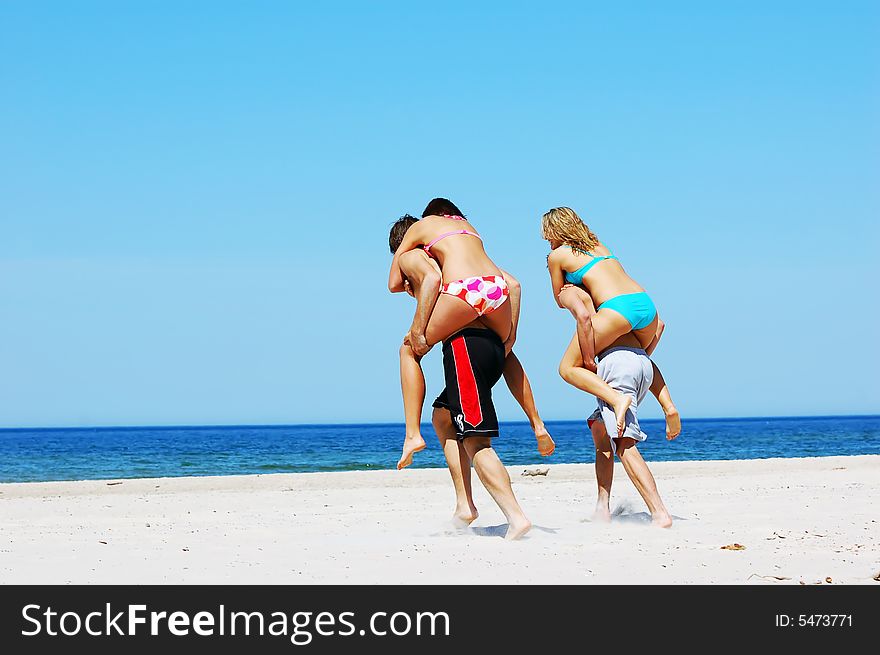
column 546, row 445
column 408, row 287
column 418, row 343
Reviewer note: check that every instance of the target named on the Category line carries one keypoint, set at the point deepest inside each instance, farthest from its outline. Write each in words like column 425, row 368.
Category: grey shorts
column 628, row 371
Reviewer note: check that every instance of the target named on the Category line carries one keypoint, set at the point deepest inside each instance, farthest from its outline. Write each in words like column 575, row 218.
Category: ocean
column 31, row 455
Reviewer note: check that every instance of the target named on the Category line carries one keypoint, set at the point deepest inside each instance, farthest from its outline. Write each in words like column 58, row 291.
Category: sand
column 800, row 520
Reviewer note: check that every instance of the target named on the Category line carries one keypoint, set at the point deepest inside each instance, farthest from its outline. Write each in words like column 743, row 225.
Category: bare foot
column 620, row 407
column 602, row 513
column 673, row 423
column 517, row 529
column 546, row 445
column 411, row 445
column 462, row 518
column 661, row 520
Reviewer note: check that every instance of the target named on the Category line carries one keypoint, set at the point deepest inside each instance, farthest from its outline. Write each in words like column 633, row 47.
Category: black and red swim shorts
column 473, row 361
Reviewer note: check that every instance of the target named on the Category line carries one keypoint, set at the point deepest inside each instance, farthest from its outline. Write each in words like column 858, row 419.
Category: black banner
column 334, row 619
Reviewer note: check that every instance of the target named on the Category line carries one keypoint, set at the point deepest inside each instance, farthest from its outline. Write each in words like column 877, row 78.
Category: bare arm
column 580, row 304
column 423, row 275
column 411, row 240
column 576, row 300
column 557, row 276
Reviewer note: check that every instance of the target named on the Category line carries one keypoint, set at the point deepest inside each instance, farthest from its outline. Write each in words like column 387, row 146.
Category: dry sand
column 800, row 520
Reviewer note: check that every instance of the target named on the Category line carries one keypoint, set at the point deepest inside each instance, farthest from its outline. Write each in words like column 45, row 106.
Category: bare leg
column 659, row 333
column 459, row 468
column 661, row 391
column 412, row 383
column 604, row 471
column 446, row 316
column 580, row 304
column 495, row 478
column 641, row 477
column 585, row 380
column 500, row 321
column 450, row 315
column 518, row 383
column 423, row 275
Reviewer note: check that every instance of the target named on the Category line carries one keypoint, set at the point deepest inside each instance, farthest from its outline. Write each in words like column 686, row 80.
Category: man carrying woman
column 616, row 319
column 472, row 306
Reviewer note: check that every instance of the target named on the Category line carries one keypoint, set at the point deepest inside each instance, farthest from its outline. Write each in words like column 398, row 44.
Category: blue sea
column 30, row 455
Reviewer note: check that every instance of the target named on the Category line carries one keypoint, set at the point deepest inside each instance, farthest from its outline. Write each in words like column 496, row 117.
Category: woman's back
column 598, row 271
column 457, row 247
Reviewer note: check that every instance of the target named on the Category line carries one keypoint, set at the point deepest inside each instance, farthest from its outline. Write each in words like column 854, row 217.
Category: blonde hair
column 563, row 224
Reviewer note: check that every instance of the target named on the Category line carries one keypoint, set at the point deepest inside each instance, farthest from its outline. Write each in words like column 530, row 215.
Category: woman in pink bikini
column 473, row 293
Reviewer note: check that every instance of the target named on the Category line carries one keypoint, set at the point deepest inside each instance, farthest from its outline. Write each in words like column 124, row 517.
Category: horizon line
column 396, row 423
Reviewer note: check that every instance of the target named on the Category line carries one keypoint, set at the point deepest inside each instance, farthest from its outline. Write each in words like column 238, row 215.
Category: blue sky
column 194, row 197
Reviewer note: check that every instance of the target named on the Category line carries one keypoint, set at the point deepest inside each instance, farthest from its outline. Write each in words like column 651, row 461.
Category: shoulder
column 419, row 231
column 428, row 225
column 558, row 256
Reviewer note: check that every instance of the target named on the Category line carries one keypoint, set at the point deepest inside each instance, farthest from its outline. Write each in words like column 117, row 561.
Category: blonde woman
column 587, row 275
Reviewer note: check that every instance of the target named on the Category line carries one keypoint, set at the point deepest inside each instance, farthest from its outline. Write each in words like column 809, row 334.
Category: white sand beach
column 800, row 520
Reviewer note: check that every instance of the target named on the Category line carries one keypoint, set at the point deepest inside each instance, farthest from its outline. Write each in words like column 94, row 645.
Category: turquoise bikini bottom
column 637, row 308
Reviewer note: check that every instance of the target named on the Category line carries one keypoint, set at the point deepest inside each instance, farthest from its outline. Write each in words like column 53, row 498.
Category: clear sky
column 194, row 197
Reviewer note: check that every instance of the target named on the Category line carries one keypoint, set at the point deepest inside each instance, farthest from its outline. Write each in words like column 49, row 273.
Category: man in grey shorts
column 626, row 367
column 627, row 370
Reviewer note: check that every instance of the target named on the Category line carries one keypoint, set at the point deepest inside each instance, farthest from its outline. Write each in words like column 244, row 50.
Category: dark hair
column 441, row 207
column 401, row 225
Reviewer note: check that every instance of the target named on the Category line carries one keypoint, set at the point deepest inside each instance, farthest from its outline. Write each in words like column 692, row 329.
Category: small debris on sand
column 113, row 484
column 733, row 547
column 541, row 470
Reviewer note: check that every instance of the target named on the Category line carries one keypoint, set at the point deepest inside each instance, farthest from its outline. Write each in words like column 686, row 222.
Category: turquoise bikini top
column 576, row 277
